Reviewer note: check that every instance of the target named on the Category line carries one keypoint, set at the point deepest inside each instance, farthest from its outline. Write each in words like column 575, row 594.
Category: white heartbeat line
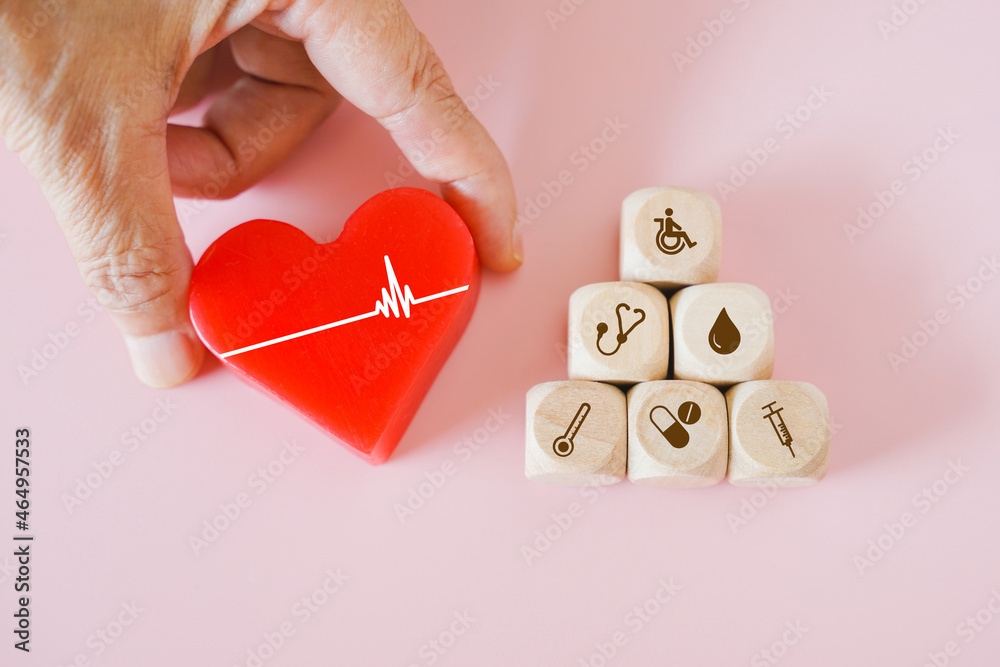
column 393, row 300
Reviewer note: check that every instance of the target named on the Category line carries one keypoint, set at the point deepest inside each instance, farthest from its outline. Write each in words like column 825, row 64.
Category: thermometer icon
column 563, row 445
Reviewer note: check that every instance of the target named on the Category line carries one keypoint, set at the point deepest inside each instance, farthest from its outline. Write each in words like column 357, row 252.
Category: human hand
column 86, row 89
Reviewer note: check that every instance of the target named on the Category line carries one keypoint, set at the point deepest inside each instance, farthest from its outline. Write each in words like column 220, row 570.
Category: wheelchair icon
column 671, row 239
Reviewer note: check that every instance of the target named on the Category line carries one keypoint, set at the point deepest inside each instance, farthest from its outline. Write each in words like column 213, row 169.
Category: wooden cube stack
column 673, row 429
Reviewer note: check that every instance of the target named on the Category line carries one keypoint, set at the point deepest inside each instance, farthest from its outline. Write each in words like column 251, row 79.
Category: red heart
column 391, row 295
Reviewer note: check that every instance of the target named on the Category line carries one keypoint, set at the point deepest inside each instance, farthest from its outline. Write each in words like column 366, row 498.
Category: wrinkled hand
column 86, row 89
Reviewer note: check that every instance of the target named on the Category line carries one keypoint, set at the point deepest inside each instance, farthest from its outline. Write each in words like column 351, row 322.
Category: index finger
column 373, row 54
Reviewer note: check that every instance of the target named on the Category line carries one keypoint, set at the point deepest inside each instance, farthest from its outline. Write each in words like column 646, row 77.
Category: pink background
column 795, row 561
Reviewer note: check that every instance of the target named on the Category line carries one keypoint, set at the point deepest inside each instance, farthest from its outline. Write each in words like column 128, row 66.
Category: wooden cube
column 723, row 333
column 618, row 332
column 779, row 432
column 670, row 237
column 576, row 434
column 678, row 434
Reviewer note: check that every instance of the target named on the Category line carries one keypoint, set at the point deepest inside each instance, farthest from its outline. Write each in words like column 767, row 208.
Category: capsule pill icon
column 671, row 427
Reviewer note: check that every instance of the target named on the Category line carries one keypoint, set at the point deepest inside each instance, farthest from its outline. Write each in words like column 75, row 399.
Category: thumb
column 89, row 119
column 112, row 197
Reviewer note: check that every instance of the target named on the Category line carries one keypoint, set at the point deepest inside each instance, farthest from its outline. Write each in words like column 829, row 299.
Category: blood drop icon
column 724, row 337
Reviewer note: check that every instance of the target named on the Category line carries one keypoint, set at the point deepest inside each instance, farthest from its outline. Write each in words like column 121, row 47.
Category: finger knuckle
column 422, row 79
column 132, row 279
column 425, row 69
column 454, row 110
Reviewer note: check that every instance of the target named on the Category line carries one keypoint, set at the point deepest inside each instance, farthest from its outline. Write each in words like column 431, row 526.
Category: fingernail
column 164, row 360
column 517, row 243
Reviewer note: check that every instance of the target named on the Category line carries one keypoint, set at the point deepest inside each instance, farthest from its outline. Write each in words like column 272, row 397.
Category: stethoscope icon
column 622, row 336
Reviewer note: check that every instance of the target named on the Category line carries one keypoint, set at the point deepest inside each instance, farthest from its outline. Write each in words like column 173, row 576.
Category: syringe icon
column 779, row 426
